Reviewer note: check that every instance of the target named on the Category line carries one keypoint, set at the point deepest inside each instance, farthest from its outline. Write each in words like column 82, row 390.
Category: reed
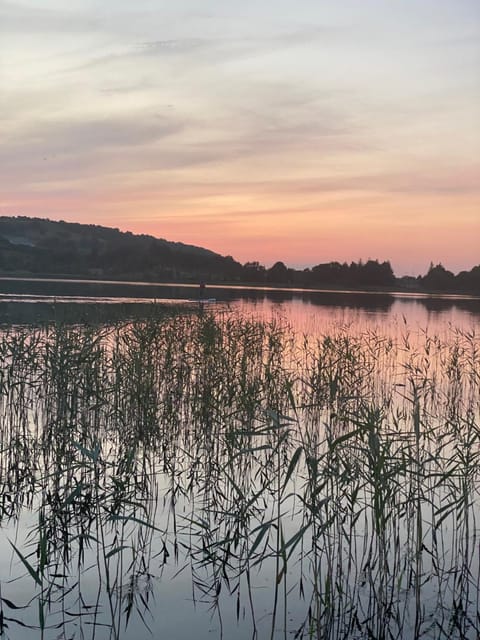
column 337, row 475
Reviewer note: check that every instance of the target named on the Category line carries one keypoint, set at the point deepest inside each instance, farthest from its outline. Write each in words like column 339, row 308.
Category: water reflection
column 290, row 483
column 26, row 311
column 45, row 300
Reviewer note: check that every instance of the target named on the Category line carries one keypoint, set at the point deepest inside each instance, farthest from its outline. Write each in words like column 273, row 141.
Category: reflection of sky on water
column 175, row 607
column 57, row 300
column 311, row 318
column 308, row 314
column 23, row 300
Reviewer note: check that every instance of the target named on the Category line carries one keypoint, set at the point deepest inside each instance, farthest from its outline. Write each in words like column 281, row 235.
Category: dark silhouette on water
column 39, row 247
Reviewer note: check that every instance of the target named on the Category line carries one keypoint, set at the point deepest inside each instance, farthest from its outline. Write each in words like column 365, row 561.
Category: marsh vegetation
column 281, row 484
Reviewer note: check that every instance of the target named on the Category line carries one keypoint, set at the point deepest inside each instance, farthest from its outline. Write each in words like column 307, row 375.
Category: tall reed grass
column 339, row 470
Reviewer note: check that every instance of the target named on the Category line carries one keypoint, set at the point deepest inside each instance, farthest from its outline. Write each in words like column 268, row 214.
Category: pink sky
column 338, row 132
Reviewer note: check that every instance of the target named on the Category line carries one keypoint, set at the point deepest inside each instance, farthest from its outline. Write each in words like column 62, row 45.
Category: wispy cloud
column 217, row 49
column 242, row 115
column 52, row 149
column 22, row 18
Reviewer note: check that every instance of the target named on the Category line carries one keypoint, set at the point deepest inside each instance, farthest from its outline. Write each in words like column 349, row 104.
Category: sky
column 297, row 130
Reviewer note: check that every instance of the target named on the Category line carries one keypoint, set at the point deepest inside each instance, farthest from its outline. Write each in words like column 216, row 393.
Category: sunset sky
column 296, row 130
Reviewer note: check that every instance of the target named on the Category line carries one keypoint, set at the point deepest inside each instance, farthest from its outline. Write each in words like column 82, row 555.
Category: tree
column 438, row 278
column 254, row 272
column 278, row 273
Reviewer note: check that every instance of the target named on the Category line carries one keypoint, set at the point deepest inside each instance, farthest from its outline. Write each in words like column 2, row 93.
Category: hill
column 42, row 247
column 36, row 246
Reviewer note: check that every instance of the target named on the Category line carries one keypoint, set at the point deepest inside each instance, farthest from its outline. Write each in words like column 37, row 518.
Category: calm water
column 208, row 475
column 36, row 300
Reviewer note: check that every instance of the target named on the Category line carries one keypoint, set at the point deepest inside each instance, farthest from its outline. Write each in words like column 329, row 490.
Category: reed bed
column 311, row 486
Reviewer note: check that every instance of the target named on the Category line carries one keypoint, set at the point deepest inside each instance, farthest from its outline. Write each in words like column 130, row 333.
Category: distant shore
column 397, row 290
column 42, row 248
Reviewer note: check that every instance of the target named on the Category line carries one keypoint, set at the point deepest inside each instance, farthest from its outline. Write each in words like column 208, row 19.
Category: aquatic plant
column 338, row 474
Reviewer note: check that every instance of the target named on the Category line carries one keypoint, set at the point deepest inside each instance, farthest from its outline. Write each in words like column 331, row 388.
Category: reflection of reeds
column 343, row 468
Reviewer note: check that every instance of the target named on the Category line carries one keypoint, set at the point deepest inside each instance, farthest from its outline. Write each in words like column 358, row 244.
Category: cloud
column 441, row 182
column 124, row 53
column 49, row 148
column 178, row 45
column 203, row 51
column 20, row 18
column 273, row 120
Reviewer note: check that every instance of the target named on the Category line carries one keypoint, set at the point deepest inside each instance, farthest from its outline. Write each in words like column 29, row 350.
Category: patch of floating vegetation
column 310, row 486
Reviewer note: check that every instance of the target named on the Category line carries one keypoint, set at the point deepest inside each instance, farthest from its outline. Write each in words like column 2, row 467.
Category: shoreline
column 245, row 286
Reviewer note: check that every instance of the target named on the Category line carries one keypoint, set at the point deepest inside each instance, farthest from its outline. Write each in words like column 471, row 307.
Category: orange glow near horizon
column 341, row 133
column 299, row 230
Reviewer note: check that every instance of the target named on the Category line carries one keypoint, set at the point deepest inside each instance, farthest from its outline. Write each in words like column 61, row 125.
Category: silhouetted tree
column 254, row 272
column 438, row 279
column 277, row 274
column 41, row 246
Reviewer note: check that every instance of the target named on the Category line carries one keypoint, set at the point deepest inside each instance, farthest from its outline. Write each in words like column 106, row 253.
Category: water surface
column 272, row 464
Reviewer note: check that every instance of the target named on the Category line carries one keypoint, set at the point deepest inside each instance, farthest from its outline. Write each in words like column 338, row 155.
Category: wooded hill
column 41, row 247
column 38, row 246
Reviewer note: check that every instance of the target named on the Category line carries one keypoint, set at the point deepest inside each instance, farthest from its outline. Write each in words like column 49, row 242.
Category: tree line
column 370, row 274
column 35, row 246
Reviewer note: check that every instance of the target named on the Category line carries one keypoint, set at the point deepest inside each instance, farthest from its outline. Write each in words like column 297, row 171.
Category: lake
column 274, row 464
column 36, row 300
